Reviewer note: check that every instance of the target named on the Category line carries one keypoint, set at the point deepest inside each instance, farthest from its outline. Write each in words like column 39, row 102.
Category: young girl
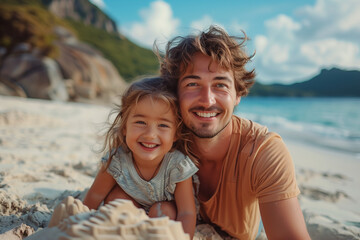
column 141, row 162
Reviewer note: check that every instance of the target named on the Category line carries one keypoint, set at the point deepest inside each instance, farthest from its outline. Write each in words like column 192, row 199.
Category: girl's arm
column 100, row 188
column 185, row 204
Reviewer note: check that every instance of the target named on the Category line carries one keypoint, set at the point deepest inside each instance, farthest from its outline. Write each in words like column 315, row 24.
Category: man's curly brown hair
column 228, row 51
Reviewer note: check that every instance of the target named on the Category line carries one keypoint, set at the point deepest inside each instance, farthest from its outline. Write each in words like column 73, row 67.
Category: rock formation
column 32, row 75
column 79, row 72
column 84, row 11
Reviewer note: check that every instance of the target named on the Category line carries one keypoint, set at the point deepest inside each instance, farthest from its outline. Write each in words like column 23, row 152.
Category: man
column 244, row 170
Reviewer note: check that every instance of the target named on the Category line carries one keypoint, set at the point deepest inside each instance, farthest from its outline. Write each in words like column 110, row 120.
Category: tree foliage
column 29, row 21
column 30, row 24
column 130, row 59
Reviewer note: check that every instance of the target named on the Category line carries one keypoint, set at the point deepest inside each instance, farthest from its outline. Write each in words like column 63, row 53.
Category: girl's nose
column 151, row 131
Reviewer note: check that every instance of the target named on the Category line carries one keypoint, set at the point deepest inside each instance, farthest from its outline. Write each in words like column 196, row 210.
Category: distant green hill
column 27, row 23
column 329, row 83
column 30, row 21
column 129, row 59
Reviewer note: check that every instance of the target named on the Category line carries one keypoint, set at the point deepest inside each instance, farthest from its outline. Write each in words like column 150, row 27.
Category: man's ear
column 238, row 99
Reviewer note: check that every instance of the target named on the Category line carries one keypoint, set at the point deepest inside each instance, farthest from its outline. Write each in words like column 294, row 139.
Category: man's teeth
column 206, row 115
column 149, row 145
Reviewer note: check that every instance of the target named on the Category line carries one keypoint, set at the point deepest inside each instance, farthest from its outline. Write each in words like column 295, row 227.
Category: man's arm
column 284, row 220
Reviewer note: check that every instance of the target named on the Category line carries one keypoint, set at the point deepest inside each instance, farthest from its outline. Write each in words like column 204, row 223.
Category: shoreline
column 327, row 144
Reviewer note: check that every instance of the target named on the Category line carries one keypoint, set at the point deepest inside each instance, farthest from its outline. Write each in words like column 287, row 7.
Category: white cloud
column 158, row 23
column 324, row 35
column 331, row 18
column 236, row 27
column 99, row 3
column 202, row 24
column 282, row 23
column 261, row 43
column 322, row 53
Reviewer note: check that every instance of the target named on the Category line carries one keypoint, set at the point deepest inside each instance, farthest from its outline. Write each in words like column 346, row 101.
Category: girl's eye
column 164, row 126
column 140, row 122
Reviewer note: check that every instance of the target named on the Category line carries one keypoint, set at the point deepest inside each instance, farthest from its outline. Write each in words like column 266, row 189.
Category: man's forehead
column 201, row 61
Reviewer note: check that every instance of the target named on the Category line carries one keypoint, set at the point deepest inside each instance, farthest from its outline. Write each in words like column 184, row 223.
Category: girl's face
column 150, row 131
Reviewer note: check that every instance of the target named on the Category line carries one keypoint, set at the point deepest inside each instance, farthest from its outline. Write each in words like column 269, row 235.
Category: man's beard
column 201, row 134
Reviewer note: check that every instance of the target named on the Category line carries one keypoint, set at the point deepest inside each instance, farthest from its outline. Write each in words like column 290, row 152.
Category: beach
column 50, row 150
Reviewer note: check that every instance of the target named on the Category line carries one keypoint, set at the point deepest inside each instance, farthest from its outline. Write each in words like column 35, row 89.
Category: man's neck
column 213, row 149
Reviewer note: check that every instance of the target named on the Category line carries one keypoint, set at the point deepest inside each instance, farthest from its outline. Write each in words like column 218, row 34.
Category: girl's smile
column 150, row 131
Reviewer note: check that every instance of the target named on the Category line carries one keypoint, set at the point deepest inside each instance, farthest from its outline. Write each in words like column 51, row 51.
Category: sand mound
column 119, row 218
column 17, row 233
column 15, row 212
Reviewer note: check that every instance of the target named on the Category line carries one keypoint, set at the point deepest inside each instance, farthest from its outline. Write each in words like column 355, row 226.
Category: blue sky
column 293, row 40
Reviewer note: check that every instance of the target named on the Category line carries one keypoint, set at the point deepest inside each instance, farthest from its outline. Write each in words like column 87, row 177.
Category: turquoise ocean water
column 329, row 122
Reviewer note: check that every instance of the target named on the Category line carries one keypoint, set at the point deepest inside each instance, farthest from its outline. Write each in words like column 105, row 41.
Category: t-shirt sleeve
column 115, row 166
column 182, row 168
column 105, row 158
column 273, row 173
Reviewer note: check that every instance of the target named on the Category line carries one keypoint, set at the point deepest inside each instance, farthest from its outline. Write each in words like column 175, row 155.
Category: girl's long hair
column 157, row 89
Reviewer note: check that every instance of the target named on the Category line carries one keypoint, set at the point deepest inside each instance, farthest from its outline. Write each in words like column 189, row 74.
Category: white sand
column 47, row 151
column 330, row 199
column 46, row 148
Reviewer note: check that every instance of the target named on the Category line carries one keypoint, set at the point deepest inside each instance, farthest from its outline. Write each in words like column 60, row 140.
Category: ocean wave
column 327, row 135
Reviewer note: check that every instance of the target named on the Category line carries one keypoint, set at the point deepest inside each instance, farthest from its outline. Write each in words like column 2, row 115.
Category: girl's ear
column 174, row 142
column 173, row 145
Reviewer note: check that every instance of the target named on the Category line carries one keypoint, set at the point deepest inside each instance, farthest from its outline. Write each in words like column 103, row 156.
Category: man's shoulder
column 252, row 135
column 245, row 126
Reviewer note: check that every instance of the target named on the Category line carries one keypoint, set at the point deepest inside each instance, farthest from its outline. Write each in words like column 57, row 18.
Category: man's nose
column 207, row 97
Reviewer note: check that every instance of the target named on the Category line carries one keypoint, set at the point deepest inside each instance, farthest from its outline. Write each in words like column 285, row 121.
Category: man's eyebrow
column 223, row 78
column 217, row 78
column 190, row 76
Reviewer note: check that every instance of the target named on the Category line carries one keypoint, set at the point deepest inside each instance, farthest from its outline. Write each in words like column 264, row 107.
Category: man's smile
column 206, row 114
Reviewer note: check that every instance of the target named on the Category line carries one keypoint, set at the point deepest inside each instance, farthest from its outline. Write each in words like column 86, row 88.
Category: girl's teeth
column 149, row 145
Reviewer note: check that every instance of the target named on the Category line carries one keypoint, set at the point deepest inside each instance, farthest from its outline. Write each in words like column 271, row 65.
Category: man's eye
column 220, row 85
column 191, row 84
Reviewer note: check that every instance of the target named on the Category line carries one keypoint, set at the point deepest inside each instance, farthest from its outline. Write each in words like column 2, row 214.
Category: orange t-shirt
column 257, row 169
